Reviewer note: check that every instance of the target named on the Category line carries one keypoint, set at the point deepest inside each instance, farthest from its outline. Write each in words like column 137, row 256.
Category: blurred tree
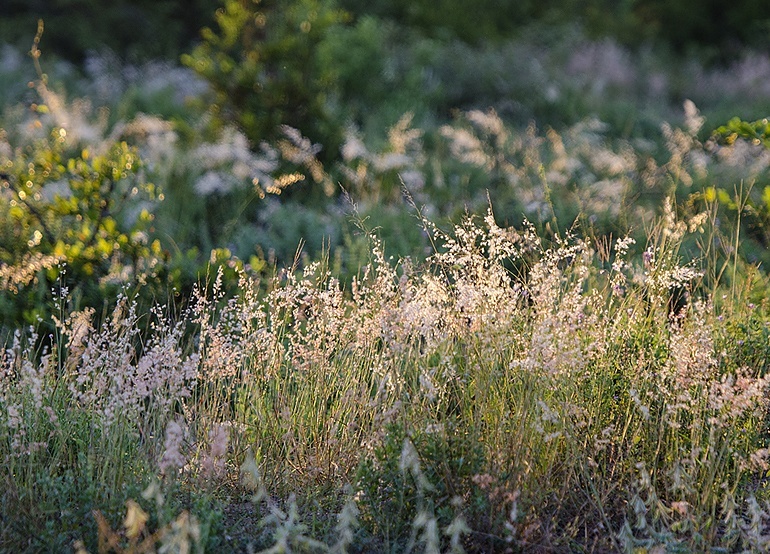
column 490, row 19
column 264, row 65
column 134, row 29
column 165, row 28
column 723, row 27
column 681, row 23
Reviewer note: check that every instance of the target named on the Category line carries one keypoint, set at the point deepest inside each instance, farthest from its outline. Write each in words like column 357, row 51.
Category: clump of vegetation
column 504, row 311
column 64, row 203
column 264, row 67
column 511, row 391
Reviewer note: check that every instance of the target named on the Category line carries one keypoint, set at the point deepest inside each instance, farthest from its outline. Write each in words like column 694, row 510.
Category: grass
column 578, row 364
column 510, row 393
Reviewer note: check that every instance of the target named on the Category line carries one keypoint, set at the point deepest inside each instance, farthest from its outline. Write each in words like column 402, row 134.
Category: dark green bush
column 134, row 29
column 165, row 28
column 709, row 24
column 681, row 24
column 264, row 67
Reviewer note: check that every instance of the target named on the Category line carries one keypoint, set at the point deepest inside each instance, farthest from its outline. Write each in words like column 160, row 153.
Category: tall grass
column 523, row 388
column 510, row 393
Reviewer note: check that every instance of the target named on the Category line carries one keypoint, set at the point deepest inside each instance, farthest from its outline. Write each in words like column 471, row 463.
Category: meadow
column 522, row 307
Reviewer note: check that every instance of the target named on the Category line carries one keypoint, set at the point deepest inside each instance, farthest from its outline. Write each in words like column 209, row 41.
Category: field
column 491, row 297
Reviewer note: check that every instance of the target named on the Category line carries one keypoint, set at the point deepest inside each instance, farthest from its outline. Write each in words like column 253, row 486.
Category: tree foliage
column 134, row 29
column 263, row 64
column 79, row 218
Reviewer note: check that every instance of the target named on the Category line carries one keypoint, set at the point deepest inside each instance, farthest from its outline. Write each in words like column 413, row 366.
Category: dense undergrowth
column 509, row 394
column 521, row 306
column 125, row 196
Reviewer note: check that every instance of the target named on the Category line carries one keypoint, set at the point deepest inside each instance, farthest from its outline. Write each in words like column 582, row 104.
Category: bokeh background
column 261, row 129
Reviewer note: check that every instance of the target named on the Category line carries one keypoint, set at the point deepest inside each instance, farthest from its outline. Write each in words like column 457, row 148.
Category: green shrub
column 758, row 132
column 264, row 67
column 83, row 211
